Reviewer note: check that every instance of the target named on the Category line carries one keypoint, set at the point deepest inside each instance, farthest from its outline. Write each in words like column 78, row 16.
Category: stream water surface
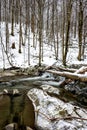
column 17, row 108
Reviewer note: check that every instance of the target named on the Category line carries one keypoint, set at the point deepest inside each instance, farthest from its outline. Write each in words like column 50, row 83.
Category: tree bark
column 12, row 24
column 69, row 10
column 80, row 29
column 73, row 76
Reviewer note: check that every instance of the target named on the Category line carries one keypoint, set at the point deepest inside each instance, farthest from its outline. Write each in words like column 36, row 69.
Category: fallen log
column 60, row 68
column 82, row 70
column 73, row 76
column 67, row 69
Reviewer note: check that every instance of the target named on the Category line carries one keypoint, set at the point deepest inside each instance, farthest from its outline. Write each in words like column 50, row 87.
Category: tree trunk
column 7, row 30
column 69, row 10
column 63, row 30
column 80, row 27
column 20, row 33
column 17, row 12
column 40, row 13
column 75, row 21
column 12, row 24
column 47, row 24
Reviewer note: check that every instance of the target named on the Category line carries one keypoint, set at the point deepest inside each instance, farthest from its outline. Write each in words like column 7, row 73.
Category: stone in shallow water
column 15, row 91
column 5, row 91
column 11, row 126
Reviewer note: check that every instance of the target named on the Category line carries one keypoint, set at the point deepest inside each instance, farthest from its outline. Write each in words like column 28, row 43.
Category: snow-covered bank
column 50, row 107
column 21, row 59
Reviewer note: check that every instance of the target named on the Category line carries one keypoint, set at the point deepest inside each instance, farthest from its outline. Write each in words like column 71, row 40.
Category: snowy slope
column 21, row 60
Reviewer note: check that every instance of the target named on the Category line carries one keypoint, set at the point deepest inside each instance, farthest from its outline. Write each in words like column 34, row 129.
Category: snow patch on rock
column 47, row 107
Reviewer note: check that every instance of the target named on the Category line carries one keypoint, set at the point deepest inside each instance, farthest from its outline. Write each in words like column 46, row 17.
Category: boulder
column 51, row 113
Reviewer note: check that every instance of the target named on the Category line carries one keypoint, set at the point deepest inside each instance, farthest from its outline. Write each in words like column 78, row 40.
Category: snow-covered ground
column 21, row 60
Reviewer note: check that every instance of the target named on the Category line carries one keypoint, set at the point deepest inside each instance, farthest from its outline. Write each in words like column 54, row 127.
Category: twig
column 61, row 118
column 69, row 117
column 43, row 114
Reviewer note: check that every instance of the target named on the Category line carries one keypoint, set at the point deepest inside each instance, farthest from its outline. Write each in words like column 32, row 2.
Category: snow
column 50, row 107
column 21, row 60
column 50, row 89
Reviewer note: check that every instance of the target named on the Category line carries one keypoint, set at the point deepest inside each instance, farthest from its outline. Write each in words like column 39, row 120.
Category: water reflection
column 17, row 109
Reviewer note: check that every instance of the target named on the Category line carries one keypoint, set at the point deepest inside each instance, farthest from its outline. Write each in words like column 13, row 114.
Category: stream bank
column 47, row 99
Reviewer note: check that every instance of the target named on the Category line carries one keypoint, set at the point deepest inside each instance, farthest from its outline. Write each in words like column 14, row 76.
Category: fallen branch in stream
column 60, row 118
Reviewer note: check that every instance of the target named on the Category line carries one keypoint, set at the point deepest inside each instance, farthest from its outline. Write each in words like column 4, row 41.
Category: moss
column 63, row 112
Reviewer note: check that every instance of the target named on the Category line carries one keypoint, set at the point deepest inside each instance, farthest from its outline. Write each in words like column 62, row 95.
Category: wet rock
column 50, row 89
column 5, row 91
column 7, row 84
column 82, row 98
column 28, row 128
column 15, row 91
column 82, row 84
column 14, row 126
column 79, row 90
column 11, row 126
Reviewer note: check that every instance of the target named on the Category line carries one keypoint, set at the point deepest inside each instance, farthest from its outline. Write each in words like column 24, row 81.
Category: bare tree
column 40, row 27
column 69, row 11
column 7, row 30
column 12, row 27
column 80, row 28
column 20, row 33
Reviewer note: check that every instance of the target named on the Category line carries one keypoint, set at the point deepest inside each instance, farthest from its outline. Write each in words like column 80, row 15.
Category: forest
column 55, row 23
column 43, row 64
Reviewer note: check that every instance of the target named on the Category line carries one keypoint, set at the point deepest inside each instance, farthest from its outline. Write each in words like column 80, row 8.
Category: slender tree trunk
column 75, row 21
column 69, row 10
column 40, row 38
column 3, row 57
column 47, row 26
column 80, row 28
column 17, row 12
column 40, row 13
column 29, row 47
column 12, row 24
column 28, row 6
column 7, row 30
column 20, row 33
column 84, row 40
column 63, row 30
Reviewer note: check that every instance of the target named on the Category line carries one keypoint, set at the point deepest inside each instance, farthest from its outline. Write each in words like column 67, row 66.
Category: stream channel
column 16, row 108
column 19, row 108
